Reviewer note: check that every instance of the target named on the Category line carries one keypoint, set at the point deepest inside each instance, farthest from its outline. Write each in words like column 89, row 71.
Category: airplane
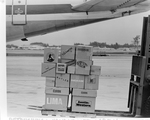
column 28, row 18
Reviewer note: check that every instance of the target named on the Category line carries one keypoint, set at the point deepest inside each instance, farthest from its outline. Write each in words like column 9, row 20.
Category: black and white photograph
column 77, row 58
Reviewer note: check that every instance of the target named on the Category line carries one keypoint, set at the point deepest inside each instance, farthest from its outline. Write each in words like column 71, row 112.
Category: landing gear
column 87, row 12
column 129, row 12
column 24, row 39
column 113, row 10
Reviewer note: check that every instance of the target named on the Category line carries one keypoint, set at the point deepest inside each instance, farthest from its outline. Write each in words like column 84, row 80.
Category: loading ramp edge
column 113, row 113
column 86, row 114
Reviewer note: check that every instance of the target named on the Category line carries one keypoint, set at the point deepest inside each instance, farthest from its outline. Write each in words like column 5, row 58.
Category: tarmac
column 26, row 87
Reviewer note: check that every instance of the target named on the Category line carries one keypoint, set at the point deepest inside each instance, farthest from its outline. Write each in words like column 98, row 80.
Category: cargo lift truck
column 139, row 89
column 139, row 86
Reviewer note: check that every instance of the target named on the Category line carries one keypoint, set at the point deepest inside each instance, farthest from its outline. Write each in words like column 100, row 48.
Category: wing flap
column 86, row 5
column 106, row 5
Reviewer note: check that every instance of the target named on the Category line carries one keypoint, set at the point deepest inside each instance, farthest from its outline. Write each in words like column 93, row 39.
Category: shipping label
column 83, row 103
column 61, row 68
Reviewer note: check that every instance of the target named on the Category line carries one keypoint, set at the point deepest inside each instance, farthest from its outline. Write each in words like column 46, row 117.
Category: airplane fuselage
column 27, row 18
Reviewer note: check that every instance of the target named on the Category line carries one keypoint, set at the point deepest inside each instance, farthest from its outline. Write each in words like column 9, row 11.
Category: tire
column 147, row 107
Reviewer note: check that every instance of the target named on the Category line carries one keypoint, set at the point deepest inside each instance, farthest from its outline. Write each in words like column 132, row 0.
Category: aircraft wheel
column 147, row 107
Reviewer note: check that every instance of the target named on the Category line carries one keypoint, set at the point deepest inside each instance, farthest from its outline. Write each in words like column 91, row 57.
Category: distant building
column 124, row 49
column 105, row 49
column 11, row 47
column 55, row 47
column 32, row 47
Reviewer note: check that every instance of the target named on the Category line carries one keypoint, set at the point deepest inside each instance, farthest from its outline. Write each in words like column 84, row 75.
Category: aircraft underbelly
column 34, row 28
column 14, row 32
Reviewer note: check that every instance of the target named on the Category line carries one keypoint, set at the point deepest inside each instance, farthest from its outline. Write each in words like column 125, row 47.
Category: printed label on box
column 62, row 80
column 51, row 55
column 57, row 90
column 77, row 81
column 83, row 67
column 92, row 82
column 67, row 52
column 54, row 101
column 84, row 52
column 48, row 69
column 84, row 92
column 61, row 68
column 83, row 103
column 82, row 64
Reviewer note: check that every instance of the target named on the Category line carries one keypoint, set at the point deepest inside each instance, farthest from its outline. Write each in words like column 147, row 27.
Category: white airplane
column 27, row 18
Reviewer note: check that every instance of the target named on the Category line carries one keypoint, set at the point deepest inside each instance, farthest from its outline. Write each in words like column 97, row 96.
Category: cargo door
column 19, row 10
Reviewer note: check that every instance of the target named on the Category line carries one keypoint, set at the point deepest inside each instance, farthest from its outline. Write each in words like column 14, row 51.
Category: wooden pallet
column 64, row 113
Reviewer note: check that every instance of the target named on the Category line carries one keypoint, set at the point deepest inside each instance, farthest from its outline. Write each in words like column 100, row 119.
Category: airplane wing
column 110, row 5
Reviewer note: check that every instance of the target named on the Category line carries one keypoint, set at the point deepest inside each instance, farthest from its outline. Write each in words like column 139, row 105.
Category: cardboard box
column 84, row 100
column 50, row 82
column 48, row 69
column 70, row 65
column 56, row 98
column 62, row 80
column 61, row 68
column 59, row 60
column 71, row 69
column 92, row 82
column 77, row 81
column 83, row 67
column 51, row 55
column 95, row 70
column 67, row 52
column 84, row 52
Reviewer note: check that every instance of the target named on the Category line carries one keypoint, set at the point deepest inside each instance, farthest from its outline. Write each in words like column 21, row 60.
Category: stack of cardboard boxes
column 72, row 75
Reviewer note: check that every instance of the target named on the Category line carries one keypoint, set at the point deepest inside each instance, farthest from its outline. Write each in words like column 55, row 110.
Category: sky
column 120, row 30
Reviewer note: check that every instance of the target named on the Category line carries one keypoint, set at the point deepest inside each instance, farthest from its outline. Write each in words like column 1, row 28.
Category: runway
column 25, row 86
